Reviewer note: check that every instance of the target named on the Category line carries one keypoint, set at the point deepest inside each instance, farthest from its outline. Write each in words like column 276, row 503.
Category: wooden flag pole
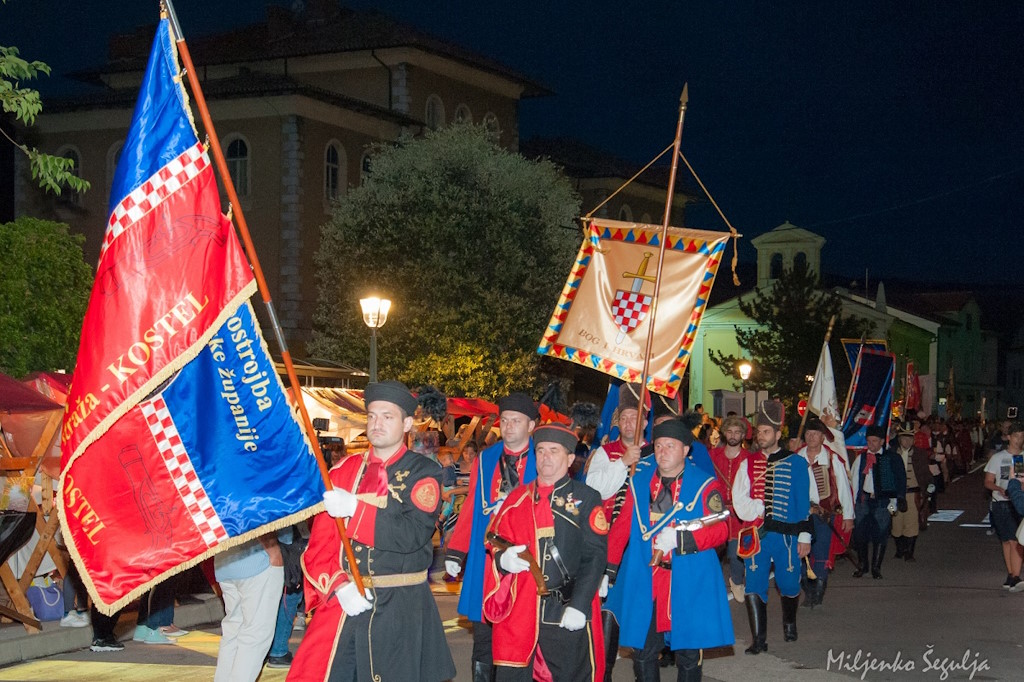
column 683, row 100
column 261, row 282
column 828, row 337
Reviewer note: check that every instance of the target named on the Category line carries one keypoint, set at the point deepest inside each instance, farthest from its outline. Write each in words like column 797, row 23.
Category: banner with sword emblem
column 602, row 316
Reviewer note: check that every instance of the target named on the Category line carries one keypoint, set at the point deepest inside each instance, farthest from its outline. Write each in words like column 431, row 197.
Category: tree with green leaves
column 52, row 172
column 472, row 243
column 792, row 316
column 44, row 289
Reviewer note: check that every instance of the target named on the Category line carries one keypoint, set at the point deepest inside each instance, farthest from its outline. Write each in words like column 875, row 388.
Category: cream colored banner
column 603, row 317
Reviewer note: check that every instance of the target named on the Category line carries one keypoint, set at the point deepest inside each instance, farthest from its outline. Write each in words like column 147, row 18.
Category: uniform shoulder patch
column 715, row 502
column 598, row 522
column 426, row 493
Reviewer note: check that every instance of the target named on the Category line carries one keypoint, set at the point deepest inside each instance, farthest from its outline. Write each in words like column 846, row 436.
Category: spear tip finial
column 685, row 97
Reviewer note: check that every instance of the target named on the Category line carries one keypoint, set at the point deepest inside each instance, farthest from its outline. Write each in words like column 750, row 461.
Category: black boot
column 789, row 605
column 483, row 672
column 900, row 544
column 689, row 663
column 909, row 554
column 810, row 590
column 611, row 642
column 819, row 594
column 862, row 555
column 877, row 554
column 757, row 614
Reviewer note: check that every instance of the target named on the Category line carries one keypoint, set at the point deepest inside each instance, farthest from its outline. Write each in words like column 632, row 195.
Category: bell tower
column 784, row 246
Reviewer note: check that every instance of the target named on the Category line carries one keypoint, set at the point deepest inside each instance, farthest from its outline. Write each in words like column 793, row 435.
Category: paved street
column 948, row 607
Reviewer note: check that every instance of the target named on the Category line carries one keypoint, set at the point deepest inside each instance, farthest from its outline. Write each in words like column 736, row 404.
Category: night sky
column 894, row 129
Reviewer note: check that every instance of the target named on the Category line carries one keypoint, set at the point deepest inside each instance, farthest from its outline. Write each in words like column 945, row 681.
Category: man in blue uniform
column 667, row 497
column 775, row 495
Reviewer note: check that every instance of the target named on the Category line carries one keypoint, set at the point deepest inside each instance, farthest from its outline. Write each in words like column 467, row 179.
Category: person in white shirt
column 1002, row 515
column 831, row 497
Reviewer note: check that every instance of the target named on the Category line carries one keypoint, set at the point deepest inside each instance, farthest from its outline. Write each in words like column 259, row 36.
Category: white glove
column 339, row 502
column 452, row 567
column 602, row 591
column 930, row 489
column 573, row 620
column 497, row 506
column 512, row 562
column 892, row 507
column 667, row 540
column 351, row 601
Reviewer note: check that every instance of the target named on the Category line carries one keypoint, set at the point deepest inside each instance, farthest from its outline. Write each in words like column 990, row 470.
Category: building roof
column 246, row 84
column 581, row 160
column 324, row 28
column 787, row 233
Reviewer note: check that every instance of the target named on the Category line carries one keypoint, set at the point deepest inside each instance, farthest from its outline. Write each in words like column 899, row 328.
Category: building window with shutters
column 463, row 114
column 334, row 171
column 365, row 167
column 236, row 153
column 434, row 117
column 492, row 127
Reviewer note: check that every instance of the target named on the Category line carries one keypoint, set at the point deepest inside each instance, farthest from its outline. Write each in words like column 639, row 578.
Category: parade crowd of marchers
column 572, row 556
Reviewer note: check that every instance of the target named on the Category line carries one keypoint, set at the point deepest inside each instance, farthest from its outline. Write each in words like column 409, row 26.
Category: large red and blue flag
column 870, row 400
column 178, row 439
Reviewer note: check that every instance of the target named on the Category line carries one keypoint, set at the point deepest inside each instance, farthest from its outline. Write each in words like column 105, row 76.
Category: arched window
column 775, row 266
column 335, row 180
column 800, row 261
column 492, row 127
column 435, row 112
column 626, row 213
column 68, row 152
column 113, row 156
column 365, row 167
column 463, row 114
column 646, row 218
column 236, row 153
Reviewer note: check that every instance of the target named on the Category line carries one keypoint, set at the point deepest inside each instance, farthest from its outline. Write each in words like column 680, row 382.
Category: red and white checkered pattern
column 165, row 433
column 153, row 191
column 629, row 309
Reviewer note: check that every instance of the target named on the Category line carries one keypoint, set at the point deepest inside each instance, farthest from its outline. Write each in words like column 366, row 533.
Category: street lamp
column 744, row 370
column 375, row 314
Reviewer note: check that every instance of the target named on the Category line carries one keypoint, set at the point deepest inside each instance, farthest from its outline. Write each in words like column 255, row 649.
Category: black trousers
column 482, row 637
column 567, row 654
column 645, row 661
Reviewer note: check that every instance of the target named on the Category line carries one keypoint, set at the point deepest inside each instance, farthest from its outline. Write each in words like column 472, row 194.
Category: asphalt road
column 943, row 617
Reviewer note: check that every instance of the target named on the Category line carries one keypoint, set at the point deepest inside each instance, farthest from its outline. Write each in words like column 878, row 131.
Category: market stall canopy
column 24, row 416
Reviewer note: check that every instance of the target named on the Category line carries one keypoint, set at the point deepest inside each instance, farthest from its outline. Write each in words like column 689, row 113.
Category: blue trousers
column 872, row 523
column 821, row 542
column 285, row 619
column 782, row 551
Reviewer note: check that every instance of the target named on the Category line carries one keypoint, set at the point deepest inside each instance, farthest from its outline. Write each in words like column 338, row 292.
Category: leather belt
column 395, row 579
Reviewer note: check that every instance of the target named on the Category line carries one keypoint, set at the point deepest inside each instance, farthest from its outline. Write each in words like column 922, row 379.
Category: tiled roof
column 580, row 160
column 284, row 35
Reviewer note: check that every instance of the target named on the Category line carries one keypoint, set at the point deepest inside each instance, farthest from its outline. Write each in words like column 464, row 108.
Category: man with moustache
column 390, row 499
column 559, row 523
column 774, row 494
column 682, row 594
column 497, row 471
column 726, row 460
column 831, row 497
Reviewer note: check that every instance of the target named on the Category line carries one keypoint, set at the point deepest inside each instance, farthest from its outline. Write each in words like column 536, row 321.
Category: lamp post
column 375, row 314
column 744, row 369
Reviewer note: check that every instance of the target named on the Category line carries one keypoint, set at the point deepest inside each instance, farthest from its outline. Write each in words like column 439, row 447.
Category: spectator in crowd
column 251, row 577
column 291, row 543
column 1004, row 518
column 156, row 613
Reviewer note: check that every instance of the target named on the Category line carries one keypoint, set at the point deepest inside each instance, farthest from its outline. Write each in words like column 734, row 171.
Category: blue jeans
column 285, row 619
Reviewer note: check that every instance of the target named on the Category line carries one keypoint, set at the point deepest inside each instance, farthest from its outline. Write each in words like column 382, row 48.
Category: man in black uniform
column 559, row 523
column 391, row 500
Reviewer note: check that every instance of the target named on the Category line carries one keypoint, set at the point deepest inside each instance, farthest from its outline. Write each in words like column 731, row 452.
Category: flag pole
column 683, row 100
column 828, row 337
column 250, row 249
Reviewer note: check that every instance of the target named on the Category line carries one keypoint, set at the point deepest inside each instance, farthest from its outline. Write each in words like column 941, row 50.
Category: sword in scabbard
column 692, row 525
column 502, row 544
